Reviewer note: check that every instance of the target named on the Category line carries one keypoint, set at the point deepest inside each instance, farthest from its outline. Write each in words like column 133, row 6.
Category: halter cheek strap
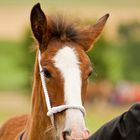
column 56, row 109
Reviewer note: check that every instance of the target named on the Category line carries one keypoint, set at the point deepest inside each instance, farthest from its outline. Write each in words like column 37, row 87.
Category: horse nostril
column 66, row 133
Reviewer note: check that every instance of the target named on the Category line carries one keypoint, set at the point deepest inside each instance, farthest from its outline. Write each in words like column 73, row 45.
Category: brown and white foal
column 60, row 81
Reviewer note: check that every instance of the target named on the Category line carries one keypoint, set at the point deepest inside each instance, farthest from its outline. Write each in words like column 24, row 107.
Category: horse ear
column 38, row 23
column 93, row 32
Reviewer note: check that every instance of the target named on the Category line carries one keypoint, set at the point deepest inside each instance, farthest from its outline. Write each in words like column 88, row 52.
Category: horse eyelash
column 94, row 72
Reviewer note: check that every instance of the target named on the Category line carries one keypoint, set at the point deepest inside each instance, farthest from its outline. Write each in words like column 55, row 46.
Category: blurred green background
column 115, row 84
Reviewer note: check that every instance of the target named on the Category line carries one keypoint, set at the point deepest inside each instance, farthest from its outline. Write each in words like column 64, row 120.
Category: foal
column 60, row 81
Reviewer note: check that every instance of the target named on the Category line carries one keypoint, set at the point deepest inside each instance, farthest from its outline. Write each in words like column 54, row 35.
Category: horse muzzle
column 73, row 134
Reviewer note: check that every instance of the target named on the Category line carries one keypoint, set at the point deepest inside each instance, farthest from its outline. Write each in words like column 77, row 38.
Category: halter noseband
column 56, row 109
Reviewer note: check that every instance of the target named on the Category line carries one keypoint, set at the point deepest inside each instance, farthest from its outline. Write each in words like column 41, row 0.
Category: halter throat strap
column 56, row 109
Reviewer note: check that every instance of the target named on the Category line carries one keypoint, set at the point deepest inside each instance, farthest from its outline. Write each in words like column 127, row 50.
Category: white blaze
column 67, row 62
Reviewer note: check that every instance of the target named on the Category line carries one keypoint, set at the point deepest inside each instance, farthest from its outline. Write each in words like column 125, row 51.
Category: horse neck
column 39, row 126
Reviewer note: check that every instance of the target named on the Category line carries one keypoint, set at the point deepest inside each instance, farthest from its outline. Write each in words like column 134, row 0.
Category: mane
column 65, row 30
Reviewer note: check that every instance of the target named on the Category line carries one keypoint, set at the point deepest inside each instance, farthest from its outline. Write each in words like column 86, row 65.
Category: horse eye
column 89, row 73
column 47, row 73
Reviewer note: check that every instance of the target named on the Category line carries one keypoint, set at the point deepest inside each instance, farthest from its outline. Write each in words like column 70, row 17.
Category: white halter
column 53, row 110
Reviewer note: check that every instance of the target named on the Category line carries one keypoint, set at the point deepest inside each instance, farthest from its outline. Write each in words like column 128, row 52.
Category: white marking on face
column 67, row 62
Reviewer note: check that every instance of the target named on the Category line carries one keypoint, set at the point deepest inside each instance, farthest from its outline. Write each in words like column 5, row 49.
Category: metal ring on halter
column 53, row 110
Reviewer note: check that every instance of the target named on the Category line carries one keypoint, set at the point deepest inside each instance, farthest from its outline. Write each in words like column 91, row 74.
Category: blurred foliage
column 130, row 44
column 107, row 61
column 29, row 58
column 17, row 63
column 97, row 55
column 129, row 33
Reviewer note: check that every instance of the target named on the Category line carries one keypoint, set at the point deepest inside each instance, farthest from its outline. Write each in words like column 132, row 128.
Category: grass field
column 100, row 113
column 12, row 104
